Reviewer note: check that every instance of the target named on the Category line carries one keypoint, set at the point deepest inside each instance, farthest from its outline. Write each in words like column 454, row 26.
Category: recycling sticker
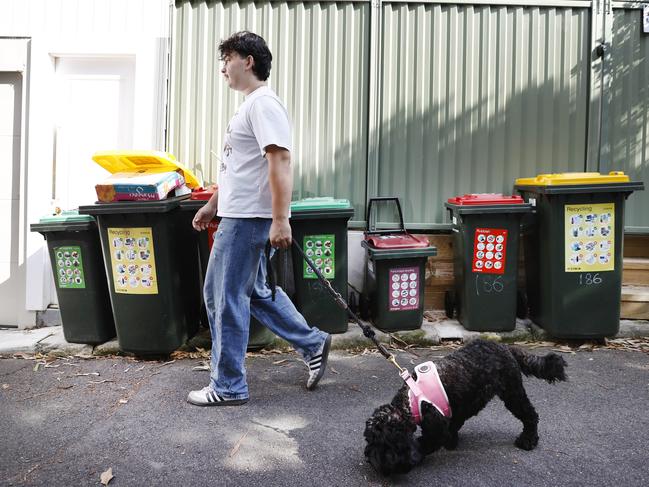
column 404, row 289
column 489, row 247
column 590, row 237
column 133, row 260
column 69, row 267
column 321, row 249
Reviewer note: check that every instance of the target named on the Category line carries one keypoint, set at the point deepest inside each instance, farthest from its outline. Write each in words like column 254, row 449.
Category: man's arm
column 205, row 215
column 280, row 177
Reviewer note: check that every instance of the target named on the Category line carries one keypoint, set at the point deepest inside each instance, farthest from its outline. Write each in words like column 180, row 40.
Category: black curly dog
column 472, row 376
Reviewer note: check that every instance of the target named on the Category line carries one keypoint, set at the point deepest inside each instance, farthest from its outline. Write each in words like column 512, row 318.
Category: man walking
column 253, row 201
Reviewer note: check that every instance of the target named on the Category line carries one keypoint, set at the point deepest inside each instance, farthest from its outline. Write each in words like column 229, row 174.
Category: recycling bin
column 79, row 275
column 319, row 226
column 573, row 251
column 259, row 336
column 395, row 273
column 486, row 230
column 151, row 258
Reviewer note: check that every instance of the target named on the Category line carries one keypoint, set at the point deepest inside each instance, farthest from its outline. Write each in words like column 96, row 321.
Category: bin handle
column 371, row 228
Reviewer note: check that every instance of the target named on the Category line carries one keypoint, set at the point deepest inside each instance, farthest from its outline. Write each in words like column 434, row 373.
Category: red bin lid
column 486, row 199
column 396, row 241
column 203, row 194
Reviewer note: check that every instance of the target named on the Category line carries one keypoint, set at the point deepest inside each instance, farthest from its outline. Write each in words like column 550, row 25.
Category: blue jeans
column 235, row 287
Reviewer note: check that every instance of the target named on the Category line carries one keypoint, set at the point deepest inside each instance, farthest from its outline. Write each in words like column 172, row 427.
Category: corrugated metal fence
column 427, row 99
column 629, row 107
column 320, row 70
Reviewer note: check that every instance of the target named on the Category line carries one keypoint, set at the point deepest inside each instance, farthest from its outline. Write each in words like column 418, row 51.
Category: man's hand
column 280, row 233
column 203, row 217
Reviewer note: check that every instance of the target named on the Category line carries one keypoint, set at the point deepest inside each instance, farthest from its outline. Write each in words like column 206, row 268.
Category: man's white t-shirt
column 244, row 189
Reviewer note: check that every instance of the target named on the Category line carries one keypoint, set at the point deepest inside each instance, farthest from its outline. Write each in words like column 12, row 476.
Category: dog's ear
column 435, row 428
column 400, row 400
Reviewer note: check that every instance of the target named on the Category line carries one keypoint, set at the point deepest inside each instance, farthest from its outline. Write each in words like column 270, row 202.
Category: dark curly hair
column 247, row 44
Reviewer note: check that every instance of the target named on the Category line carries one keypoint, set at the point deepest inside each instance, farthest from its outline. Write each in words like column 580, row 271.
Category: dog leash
column 367, row 331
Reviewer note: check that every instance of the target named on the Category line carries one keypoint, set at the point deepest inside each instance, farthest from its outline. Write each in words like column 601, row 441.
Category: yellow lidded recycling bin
column 573, row 251
column 151, row 256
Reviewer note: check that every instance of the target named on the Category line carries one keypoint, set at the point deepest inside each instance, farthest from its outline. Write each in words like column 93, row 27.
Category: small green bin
column 573, row 251
column 79, row 275
column 319, row 226
column 258, row 336
column 486, row 230
column 395, row 273
column 151, row 260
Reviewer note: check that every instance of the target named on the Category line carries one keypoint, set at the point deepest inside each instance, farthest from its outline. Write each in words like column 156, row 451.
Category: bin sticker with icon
column 489, row 248
column 590, row 237
column 69, row 268
column 133, row 260
column 404, row 289
column 321, row 249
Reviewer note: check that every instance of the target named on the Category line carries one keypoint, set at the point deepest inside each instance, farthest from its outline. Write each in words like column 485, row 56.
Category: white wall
column 13, row 84
column 88, row 29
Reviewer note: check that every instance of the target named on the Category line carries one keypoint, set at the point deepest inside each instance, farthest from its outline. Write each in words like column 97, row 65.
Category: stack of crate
column 635, row 278
column 439, row 271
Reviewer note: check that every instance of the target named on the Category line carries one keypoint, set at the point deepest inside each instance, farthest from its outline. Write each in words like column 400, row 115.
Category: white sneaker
column 318, row 364
column 207, row 397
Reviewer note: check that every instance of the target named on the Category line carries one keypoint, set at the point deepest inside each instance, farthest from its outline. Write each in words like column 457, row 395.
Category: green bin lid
column 320, row 203
column 67, row 216
column 323, row 207
column 66, row 221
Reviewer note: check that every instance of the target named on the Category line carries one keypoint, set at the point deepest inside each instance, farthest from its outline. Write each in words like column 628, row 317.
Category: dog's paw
column 527, row 442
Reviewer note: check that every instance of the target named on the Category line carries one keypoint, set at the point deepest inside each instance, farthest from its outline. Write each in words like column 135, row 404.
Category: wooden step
column 635, row 271
column 635, row 302
column 636, row 245
column 439, row 271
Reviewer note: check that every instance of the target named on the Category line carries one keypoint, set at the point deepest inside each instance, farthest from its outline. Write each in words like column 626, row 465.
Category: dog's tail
column 551, row 367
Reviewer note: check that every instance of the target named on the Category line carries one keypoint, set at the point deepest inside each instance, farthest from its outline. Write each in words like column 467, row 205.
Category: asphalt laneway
column 61, row 426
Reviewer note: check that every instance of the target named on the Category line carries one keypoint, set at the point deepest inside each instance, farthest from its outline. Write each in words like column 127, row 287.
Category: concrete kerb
column 51, row 341
column 633, row 329
column 56, row 344
column 22, row 341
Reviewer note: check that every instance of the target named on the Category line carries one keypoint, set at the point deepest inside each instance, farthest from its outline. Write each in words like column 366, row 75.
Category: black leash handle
column 271, row 276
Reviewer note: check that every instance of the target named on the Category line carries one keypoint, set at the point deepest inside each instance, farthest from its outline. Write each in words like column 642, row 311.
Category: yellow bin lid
column 574, row 178
column 146, row 161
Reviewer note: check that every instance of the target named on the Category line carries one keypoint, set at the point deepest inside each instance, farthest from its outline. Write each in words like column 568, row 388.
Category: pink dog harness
column 429, row 388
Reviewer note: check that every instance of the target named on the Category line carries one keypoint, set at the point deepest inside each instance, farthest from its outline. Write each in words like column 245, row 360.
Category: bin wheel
column 522, row 306
column 449, row 304
column 364, row 307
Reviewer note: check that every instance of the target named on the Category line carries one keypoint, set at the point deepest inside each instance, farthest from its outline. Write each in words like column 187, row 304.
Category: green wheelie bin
column 573, row 251
column 79, row 275
column 486, row 231
column 151, row 260
column 395, row 273
column 258, row 336
column 319, row 226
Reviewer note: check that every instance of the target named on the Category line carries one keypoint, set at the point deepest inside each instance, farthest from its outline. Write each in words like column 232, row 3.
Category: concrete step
column 49, row 317
column 635, row 302
column 635, row 271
